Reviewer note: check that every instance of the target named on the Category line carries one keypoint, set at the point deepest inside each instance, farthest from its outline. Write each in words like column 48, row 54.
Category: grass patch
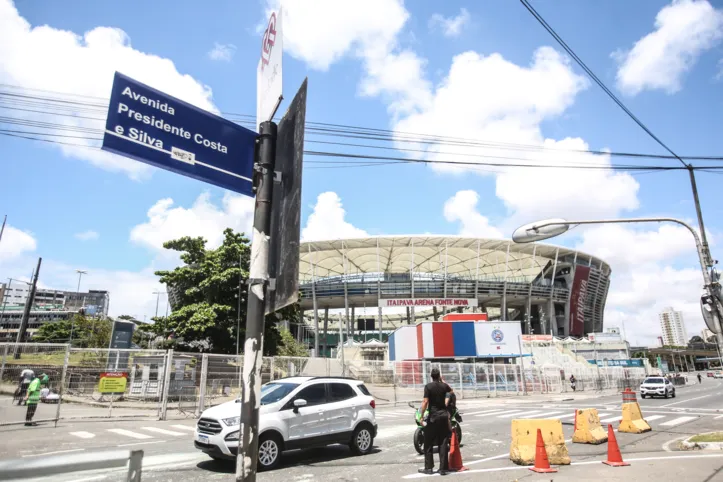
column 708, row 437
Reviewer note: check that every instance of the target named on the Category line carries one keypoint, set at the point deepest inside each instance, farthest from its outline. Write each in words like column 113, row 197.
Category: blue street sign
column 152, row 127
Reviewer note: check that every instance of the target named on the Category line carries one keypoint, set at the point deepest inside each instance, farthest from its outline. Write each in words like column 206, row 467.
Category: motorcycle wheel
column 458, row 429
column 419, row 440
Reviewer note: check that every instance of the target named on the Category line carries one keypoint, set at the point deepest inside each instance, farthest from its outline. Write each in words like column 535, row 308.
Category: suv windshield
column 273, row 392
column 655, row 381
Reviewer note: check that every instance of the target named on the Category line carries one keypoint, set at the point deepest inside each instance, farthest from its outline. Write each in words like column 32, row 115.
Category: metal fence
column 167, row 384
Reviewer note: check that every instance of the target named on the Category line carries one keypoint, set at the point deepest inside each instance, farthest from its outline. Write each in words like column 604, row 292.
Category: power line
column 597, row 80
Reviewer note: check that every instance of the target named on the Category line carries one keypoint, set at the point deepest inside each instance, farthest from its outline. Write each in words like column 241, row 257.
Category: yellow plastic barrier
column 633, row 421
column 524, row 441
column 588, row 429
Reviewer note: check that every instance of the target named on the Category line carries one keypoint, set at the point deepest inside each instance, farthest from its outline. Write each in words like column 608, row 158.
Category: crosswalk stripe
column 83, row 434
column 128, row 433
column 542, row 415
column 616, row 418
column 161, row 431
column 509, row 414
column 654, row 417
column 600, row 415
column 485, row 412
column 719, row 416
column 562, row 417
column 677, row 421
column 184, row 427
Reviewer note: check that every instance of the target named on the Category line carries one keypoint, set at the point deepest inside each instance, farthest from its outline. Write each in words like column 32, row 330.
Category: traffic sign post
column 269, row 83
column 155, row 128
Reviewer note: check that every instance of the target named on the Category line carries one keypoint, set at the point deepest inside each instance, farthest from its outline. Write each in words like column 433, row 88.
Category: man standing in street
column 436, row 431
column 700, row 378
column 32, row 398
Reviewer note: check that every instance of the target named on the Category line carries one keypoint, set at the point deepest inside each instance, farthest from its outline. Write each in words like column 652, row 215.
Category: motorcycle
column 421, row 421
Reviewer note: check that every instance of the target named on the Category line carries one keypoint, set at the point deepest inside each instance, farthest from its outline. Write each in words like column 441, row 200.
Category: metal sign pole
column 246, row 460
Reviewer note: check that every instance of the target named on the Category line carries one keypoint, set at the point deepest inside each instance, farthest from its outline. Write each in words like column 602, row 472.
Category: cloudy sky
column 472, row 70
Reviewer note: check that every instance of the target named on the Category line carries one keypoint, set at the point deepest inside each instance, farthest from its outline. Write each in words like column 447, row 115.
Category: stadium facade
column 551, row 290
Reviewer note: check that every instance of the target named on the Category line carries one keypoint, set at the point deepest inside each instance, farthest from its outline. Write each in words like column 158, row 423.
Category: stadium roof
column 427, row 254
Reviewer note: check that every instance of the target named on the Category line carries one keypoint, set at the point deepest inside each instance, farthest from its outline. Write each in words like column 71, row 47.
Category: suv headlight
column 232, row 421
column 233, row 436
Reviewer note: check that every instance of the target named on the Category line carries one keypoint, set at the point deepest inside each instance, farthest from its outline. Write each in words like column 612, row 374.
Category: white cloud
column 89, row 235
column 462, row 207
column 222, row 52
column 14, row 243
column 327, row 221
column 452, row 26
column 43, row 57
column 204, row 218
column 683, row 31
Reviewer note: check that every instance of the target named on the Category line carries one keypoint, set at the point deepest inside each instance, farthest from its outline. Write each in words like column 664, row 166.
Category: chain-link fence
column 103, row 383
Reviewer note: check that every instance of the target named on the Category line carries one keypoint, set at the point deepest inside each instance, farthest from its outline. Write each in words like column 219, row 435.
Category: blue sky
column 483, row 70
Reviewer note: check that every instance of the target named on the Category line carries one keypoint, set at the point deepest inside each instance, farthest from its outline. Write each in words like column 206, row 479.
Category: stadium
column 550, row 290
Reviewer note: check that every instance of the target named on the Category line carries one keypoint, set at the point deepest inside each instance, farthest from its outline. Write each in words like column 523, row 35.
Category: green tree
column 207, row 285
column 87, row 332
column 288, row 345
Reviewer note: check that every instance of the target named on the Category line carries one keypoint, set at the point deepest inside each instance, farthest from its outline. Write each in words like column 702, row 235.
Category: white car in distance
column 657, row 386
column 295, row 413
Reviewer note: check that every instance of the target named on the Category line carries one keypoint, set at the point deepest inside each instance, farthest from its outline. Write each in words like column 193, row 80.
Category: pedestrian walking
column 26, row 376
column 33, row 398
column 573, row 382
column 700, row 378
column 437, row 428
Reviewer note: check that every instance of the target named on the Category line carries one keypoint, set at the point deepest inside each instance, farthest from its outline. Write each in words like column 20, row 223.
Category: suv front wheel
column 362, row 440
column 269, row 451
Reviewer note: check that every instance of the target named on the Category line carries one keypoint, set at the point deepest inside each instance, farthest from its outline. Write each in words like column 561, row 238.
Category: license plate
column 202, row 439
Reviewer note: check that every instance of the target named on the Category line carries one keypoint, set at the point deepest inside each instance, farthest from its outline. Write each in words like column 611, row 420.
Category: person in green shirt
column 33, row 397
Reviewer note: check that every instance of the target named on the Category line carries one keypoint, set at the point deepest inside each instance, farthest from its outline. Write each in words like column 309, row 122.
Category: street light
column 80, row 272
column 550, row 228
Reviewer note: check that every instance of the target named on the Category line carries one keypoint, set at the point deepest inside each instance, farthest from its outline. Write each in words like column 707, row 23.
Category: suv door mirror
column 298, row 403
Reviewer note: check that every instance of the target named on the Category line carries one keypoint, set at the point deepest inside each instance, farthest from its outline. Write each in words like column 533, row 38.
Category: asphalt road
column 169, row 452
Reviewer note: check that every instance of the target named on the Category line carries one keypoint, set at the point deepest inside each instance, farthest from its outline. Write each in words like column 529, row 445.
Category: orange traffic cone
column 455, row 455
column 542, row 463
column 615, row 459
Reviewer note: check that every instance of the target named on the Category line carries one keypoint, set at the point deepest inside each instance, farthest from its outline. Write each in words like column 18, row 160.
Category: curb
column 688, row 445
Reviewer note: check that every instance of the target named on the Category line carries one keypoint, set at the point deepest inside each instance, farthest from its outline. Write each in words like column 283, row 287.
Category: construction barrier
column 524, row 441
column 633, row 421
column 587, row 428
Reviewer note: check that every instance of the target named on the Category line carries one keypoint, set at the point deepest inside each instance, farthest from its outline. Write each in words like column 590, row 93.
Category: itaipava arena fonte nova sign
column 450, row 302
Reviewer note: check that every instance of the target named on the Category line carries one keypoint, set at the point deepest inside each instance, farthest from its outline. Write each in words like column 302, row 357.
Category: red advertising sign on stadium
column 577, row 300
column 453, row 302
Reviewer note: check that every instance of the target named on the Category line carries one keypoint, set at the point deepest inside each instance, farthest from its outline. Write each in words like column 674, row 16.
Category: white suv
column 296, row 412
column 659, row 386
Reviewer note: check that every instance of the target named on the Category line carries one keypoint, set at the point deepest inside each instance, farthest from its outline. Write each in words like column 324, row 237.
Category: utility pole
column 2, row 230
column 238, row 306
column 341, row 347
column 248, row 447
column 28, row 306
column 72, row 323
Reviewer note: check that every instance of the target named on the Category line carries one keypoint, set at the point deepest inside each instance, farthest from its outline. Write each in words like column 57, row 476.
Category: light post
column 158, row 299
column 72, row 322
column 710, row 302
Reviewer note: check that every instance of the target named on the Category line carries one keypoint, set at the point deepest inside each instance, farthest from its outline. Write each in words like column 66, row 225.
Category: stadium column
column 326, row 328
column 476, row 278
column 316, row 308
column 566, row 328
column 379, row 292
column 351, row 322
column 446, row 259
column 529, row 293
column 503, row 308
column 551, row 316
column 411, row 276
column 346, row 291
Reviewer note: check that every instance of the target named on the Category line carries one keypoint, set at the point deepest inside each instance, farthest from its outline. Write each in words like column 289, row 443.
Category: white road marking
column 83, row 434
column 654, row 417
column 542, row 415
column 561, row 417
column 142, row 443
column 509, row 413
column 488, row 459
column 484, row 412
column 56, row 452
column 128, row 433
column 616, row 418
column 184, row 427
column 162, row 431
column 684, row 401
column 393, row 431
column 677, row 421
column 491, row 441
column 719, row 416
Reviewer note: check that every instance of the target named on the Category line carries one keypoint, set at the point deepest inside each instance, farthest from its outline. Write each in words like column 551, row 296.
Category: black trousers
column 31, row 412
column 436, row 433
